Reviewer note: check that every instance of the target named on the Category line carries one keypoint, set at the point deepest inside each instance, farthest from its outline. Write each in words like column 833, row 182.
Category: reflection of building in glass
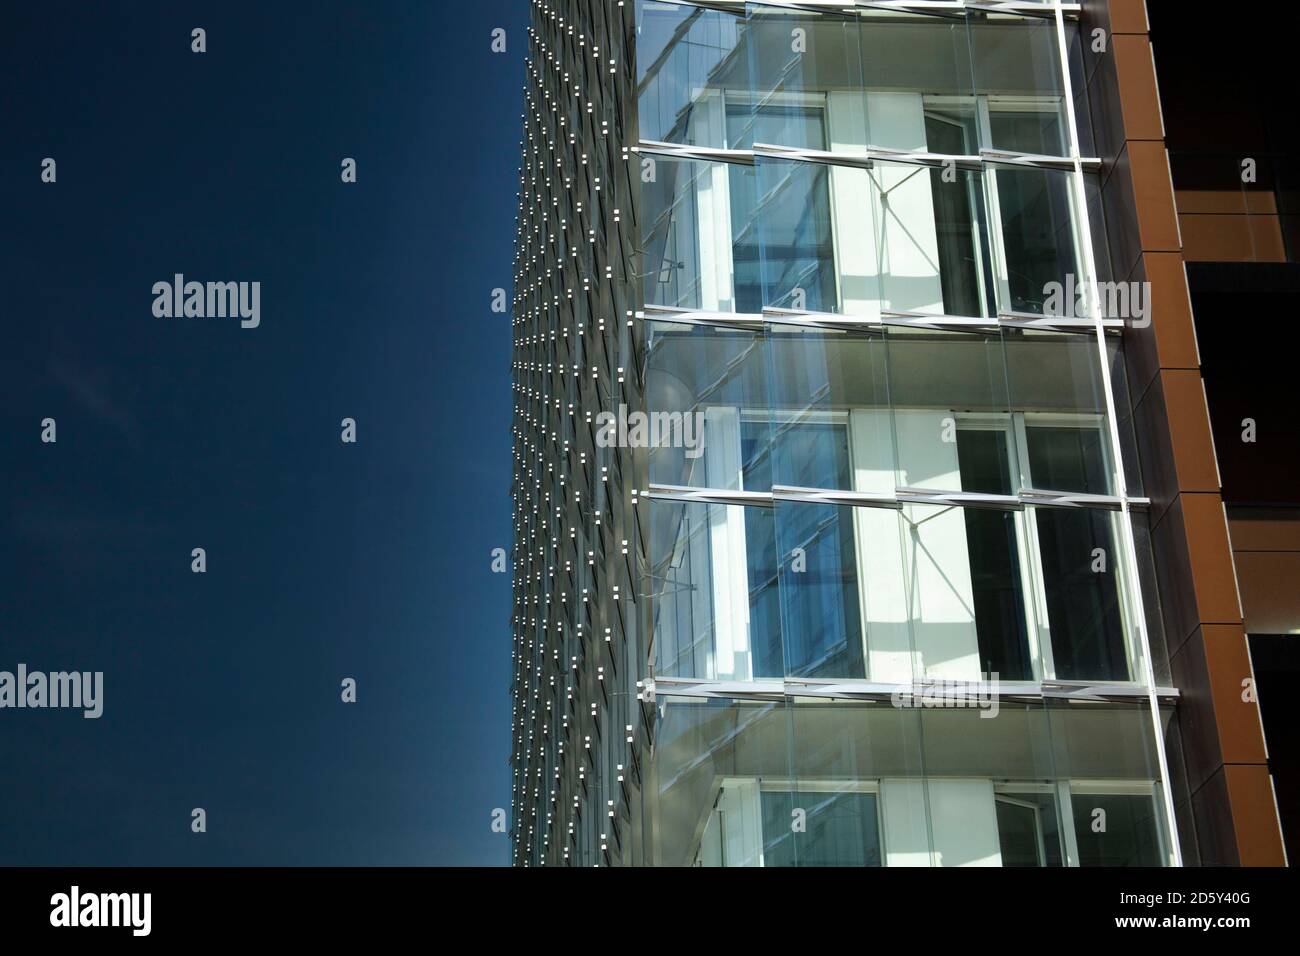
column 834, row 235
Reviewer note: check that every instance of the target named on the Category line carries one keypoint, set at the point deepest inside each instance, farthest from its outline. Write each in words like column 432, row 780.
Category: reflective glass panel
column 837, row 828
column 705, row 773
column 820, row 589
column 687, row 58
column 705, row 396
column 714, row 597
column 697, row 241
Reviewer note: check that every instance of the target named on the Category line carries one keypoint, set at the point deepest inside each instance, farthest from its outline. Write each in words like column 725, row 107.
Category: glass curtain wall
column 897, row 596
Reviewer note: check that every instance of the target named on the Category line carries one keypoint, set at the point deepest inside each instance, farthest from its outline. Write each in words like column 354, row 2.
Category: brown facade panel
column 1275, row 531
column 1139, row 99
column 1175, row 446
column 1270, row 590
column 1194, row 566
column 1171, row 310
column 1214, row 579
column 1128, row 16
column 1267, row 239
column 1241, row 736
column 1170, row 340
column 1153, row 192
column 1254, row 815
column 1219, row 202
column 1232, row 238
column 1219, row 721
column 1189, row 430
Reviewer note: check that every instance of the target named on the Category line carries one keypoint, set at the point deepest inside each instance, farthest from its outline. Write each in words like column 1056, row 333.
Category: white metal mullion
column 1032, row 578
column 1121, row 487
column 861, row 541
column 1065, row 813
column 993, row 212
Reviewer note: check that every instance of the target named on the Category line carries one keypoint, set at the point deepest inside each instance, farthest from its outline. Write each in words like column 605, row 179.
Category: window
column 1027, row 829
column 1037, row 229
column 1117, row 829
column 781, row 823
column 993, row 542
column 958, row 216
column 936, row 821
column 1069, row 556
column 828, row 591
column 796, row 249
column 839, row 828
column 1078, row 554
column 1036, row 240
column 1034, row 209
column 816, row 616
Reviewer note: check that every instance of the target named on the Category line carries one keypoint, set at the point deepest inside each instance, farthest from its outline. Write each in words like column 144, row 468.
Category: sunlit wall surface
column 896, row 608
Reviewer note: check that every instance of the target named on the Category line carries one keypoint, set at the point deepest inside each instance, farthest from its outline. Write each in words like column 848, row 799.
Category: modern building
column 865, row 501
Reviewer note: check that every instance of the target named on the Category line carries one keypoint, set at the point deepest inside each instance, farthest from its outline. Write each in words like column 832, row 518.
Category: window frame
column 932, row 107
column 726, row 546
column 1152, row 789
column 802, row 99
column 984, row 105
column 1031, row 572
column 1033, row 581
column 1009, row 796
column 792, row 785
column 760, row 785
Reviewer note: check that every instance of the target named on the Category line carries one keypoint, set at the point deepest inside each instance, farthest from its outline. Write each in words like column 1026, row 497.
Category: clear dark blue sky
column 325, row 560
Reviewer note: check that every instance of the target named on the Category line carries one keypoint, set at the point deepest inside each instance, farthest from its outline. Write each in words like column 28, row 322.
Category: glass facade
column 807, row 782
column 894, row 608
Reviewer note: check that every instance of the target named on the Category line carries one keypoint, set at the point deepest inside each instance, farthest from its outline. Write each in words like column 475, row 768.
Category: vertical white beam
column 731, row 660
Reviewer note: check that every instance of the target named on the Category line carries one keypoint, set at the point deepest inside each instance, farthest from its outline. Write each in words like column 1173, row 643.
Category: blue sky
column 325, row 560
